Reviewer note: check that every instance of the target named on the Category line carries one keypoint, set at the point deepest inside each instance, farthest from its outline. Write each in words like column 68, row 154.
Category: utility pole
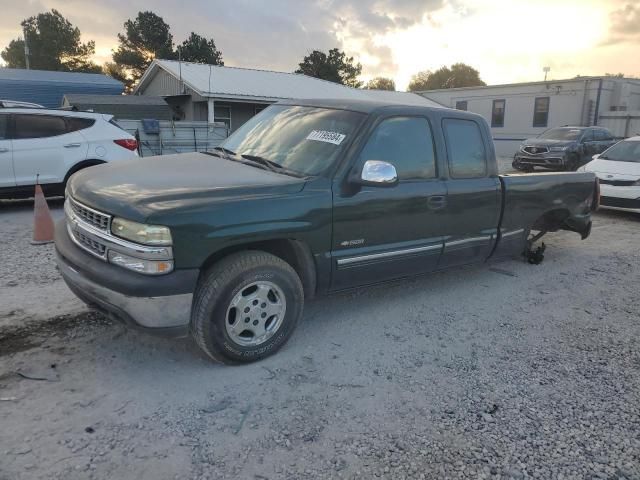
column 26, row 49
column 546, row 70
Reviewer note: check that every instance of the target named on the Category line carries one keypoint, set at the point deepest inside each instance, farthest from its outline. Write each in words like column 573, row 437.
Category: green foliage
column 54, row 44
column 381, row 83
column 145, row 38
column 335, row 67
column 456, row 76
column 198, row 49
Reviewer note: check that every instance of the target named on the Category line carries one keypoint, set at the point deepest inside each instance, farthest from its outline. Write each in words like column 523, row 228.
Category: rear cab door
column 45, row 147
column 473, row 191
column 7, row 177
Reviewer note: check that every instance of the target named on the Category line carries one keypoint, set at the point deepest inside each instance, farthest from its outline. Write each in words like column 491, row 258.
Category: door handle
column 72, row 145
column 436, row 202
column 4, row 150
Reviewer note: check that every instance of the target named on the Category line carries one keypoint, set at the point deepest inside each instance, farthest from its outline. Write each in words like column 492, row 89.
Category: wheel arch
column 295, row 252
column 80, row 165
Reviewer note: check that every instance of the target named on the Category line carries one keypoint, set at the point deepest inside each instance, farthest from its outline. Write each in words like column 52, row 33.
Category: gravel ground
column 505, row 370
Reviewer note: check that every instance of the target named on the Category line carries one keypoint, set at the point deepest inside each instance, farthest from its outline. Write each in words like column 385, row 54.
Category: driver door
column 385, row 232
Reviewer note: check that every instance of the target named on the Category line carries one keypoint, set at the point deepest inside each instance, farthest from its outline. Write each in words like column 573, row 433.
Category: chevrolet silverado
column 306, row 198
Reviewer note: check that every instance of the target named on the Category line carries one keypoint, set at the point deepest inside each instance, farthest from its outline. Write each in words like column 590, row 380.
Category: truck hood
column 138, row 188
column 613, row 167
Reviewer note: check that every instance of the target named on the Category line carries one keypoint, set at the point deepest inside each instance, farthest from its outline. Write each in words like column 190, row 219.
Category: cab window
column 407, row 144
column 466, row 152
column 38, row 126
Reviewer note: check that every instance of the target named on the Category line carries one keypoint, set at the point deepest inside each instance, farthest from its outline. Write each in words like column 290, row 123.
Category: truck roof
column 363, row 106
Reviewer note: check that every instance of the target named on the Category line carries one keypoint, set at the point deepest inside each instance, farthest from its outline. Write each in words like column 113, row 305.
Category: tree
column 381, row 83
column 199, row 49
column 456, row 76
column 54, row 44
column 334, row 66
column 145, row 38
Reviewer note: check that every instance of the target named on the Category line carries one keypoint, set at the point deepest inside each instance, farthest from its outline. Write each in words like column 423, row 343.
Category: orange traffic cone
column 42, row 221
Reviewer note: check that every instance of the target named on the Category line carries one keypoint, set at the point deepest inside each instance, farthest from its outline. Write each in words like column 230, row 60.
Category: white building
column 523, row 110
column 199, row 92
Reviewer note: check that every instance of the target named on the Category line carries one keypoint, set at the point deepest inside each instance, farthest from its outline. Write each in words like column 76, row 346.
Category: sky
column 505, row 40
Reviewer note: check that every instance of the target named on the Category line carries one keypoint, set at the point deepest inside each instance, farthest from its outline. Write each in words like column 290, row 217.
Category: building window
column 223, row 115
column 461, row 105
column 541, row 112
column 497, row 113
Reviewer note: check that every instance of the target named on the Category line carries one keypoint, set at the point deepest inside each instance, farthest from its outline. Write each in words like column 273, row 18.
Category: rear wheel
column 246, row 307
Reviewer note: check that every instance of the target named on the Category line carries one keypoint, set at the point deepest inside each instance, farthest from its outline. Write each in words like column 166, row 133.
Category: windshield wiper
column 271, row 165
column 225, row 150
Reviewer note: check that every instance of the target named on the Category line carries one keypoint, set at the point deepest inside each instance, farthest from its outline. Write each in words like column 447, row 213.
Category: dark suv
column 562, row 148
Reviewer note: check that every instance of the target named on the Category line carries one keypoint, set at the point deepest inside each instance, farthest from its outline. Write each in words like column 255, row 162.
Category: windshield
column 625, row 151
column 562, row 134
column 305, row 140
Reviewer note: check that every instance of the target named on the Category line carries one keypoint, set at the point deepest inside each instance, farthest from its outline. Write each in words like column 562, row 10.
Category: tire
column 259, row 284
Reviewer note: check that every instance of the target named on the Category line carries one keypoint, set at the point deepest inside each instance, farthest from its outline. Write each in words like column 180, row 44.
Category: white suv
column 51, row 145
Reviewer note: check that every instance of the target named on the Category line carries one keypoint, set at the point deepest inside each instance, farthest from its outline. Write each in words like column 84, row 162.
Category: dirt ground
column 506, row 370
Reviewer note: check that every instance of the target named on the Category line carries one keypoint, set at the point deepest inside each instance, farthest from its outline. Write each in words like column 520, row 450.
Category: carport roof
column 264, row 85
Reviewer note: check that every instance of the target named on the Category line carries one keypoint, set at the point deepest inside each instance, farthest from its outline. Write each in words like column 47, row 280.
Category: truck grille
column 535, row 150
column 90, row 244
column 90, row 216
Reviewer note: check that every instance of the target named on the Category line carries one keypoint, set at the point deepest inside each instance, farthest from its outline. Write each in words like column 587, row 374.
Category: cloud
column 624, row 24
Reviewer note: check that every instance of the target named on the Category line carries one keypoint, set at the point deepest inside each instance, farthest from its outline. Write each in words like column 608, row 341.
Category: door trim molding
column 390, row 254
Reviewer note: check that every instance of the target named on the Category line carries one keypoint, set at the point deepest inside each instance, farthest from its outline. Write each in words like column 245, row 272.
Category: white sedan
column 618, row 169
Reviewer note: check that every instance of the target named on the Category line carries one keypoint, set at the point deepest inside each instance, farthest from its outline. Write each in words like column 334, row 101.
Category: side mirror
column 596, row 156
column 377, row 173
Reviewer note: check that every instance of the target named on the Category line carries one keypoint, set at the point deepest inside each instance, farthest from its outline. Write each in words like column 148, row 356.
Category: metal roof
column 122, row 106
column 85, row 98
column 47, row 88
column 265, row 85
column 21, row 74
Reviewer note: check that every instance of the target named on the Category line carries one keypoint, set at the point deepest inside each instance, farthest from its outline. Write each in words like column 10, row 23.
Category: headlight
column 141, row 233
column 150, row 267
column 558, row 149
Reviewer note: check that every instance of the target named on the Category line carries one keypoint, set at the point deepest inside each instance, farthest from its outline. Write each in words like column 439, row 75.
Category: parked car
column 48, row 146
column 18, row 104
column 305, row 198
column 563, row 148
column 618, row 169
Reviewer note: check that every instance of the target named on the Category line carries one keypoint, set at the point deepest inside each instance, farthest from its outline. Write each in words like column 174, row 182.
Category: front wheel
column 246, row 307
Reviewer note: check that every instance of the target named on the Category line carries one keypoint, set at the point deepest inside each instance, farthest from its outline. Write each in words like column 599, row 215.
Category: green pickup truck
column 306, row 198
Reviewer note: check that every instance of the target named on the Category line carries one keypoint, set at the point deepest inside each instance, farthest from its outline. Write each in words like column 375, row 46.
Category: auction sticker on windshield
column 325, row 136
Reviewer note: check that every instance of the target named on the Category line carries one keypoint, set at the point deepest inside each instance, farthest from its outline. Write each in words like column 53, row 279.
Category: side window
column 588, row 136
column 406, row 143
column 461, row 105
column 39, row 126
column 602, row 136
column 4, row 127
column 541, row 112
column 497, row 113
column 466, row 152
column 76, row 123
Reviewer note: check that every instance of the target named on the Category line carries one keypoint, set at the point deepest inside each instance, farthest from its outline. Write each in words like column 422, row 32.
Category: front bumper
column 546, row 160
column 161, row 304
column 620, row 198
